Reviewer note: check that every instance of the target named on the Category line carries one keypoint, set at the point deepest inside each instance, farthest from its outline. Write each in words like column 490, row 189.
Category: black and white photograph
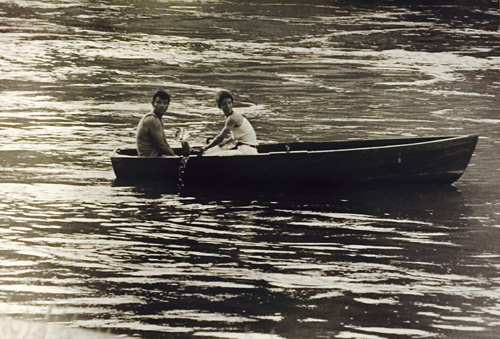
column 249, row 169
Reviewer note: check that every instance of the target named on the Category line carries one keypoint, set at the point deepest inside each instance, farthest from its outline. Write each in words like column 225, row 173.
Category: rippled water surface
column 79, row 249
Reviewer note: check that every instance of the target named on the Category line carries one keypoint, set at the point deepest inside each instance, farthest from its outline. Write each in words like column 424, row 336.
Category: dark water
column 81, row 250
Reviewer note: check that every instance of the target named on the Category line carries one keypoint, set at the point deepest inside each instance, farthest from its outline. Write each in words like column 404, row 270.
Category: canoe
column 429, row 160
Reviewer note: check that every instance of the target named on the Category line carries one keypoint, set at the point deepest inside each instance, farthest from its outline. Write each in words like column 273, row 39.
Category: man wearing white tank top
column 236, row 128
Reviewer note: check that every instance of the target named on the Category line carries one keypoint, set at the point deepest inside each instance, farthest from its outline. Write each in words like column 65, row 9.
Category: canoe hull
column 434, row 160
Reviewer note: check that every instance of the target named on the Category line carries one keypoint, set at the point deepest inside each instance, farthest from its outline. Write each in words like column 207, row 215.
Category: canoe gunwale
column 435, row 140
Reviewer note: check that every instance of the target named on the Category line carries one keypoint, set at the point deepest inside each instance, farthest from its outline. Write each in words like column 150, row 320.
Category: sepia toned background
column 79, row 249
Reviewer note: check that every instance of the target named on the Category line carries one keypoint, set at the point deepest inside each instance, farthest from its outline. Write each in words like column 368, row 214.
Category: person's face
column 227, row 106
column 160, row 106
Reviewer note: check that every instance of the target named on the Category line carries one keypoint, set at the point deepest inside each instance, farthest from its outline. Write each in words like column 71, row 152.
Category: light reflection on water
column 200, row 261
column 76, row 77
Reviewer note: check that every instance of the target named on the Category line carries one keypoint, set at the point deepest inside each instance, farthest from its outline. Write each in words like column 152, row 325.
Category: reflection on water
column 81, row 249
column 136, row 259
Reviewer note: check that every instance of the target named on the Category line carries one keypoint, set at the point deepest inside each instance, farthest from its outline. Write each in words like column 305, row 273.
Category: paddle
column 182, row 135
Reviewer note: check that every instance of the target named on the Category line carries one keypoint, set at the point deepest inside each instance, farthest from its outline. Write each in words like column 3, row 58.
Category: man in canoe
column 236, row 128
column 150, row 136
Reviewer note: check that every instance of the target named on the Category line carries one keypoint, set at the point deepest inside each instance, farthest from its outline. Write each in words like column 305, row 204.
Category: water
column 79, row 249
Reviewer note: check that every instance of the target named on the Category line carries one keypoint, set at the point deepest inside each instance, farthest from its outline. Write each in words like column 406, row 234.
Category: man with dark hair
column 237, row 128
column 150, row 136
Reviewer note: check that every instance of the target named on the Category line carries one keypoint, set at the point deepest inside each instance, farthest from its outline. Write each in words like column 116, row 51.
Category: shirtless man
column 236, row 126
column 150, row 136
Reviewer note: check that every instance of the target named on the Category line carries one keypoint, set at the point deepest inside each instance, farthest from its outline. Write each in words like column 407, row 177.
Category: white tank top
column 245, row 133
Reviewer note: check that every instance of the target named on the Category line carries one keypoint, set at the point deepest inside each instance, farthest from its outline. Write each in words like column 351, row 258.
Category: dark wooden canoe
column 432, row 160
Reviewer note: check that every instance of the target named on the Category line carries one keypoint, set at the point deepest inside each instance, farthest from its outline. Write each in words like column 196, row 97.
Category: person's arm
column 225, row 133
column 226, row 141
column 158, row 136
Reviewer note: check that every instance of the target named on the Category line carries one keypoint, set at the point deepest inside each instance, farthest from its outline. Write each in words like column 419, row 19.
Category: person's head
column 162, row 95
column 161, row 100
column 224, row 101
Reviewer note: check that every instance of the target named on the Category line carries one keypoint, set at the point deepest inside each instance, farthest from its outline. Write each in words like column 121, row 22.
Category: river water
column 79, row 249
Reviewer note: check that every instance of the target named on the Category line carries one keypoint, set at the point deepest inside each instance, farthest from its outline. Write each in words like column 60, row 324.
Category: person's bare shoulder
column 151, row 121
column 235, row 119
